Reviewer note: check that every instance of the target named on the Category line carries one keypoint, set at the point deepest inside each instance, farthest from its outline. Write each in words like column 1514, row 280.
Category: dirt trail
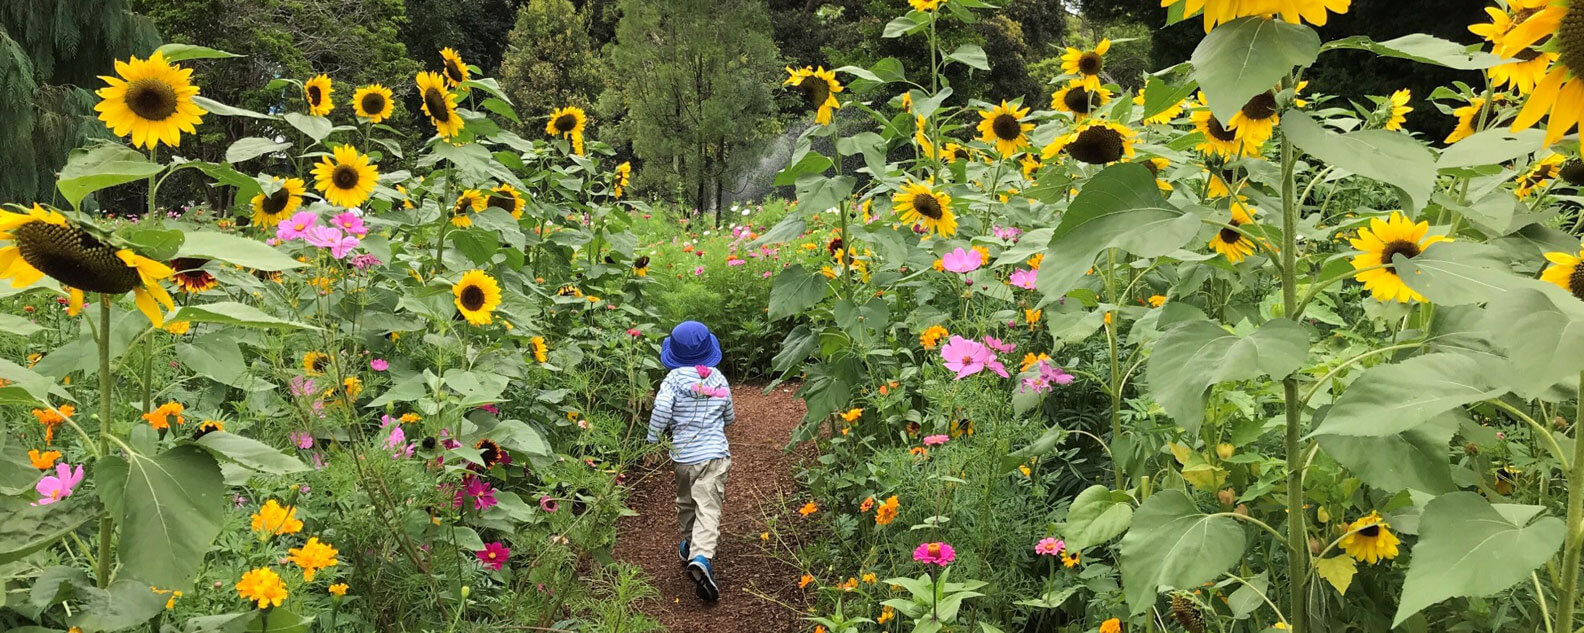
column 759, row 591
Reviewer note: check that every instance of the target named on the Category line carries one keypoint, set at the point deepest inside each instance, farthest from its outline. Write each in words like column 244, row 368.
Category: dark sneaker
column 703, row 579
column 682, row 552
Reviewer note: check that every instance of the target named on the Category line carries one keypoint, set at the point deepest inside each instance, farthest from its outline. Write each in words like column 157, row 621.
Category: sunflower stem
column 1567, row 590
column 106, row 524
column 1297, row 541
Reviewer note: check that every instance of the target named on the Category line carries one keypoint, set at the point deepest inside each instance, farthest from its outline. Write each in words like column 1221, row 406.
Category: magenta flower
column 302, row 439
column 765, row 274
column 936, row 440
column 634, row 332
column 735, row 262
column 55, row 487
column 964, row 356
column 1024, row 278
column 703, row 371
column 482, row 494
column 999, row 345
column 494, row 555
column 379, row 364
column 547, row 504
column 296, row 227
column 365, row 261
column 936, row 553
column 1009, row 233
column 302, row 386
column 351, row 223
column 698, row 271
column 1050, row 546
column 396, row 438
column 962, row 261
column 1046, row 376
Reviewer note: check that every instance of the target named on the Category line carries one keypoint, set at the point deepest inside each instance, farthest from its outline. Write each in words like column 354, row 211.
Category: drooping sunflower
column 1539, row 175
column 269, row 210
column 568, row 122
column 623, row 174
column 506, row 198
column 1086, row 64
column 150, row 100
column 373, row 103
column 1081, row 101
column 918, row 203
column 640, row 266
column 819, row 88
column 315, row 363
column 489, row 452
column 1560, row 93
column 1164, row 116
column 190, row 275
column 439, row 104
column 1398, row 109
column 471, row 201
column 1097, row 143
column 921, row 137
column 1566, row 272
column 456, row 70
column 1003, row 127
column 1220, row 140
column 43, row 242
column 926, row 5
column 348, row 180
column 1380, row 242
column 1156, row 165
column 316, row 92
column 1233, row 243
column 477, row 296
column 1572, row 172
column 1256, row 120
column 1369, row 539
column 1466, row 120
column 1219, row 11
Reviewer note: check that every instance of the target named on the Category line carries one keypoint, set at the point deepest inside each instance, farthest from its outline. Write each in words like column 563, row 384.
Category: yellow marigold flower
column 276, row 519
column 808, row 508
column 887, row 511
column 312, row 557
column 804, row 581
column 852, row 415
column 338, row 589
column 263, row 586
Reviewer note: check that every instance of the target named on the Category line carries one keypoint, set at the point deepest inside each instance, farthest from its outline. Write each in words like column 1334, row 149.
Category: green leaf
column 315, row 127
column 787, row 229
column 153, row 243
column 1491, row 147
column 1459, row 273
column 1047, row 441
column 216, row 356
column 27, row 387
column 1541, row 329
column 1470, row 548
column 1195, row 355
column 795, row 290
column 972, row 55
column 102, row 166
column 477, row 244
column 502, row 108
column 518, row 437
column 1415, row 459
column 124, row 604
column 818, row 193
column 251, row 453
column 30, row 528
column 899, row 26
column 183, row 52
column 1425, row 49
column 1160, row 96
column 1118, row 208
column 1392, row 158
column 215, row 107
column 252, row 147
column 281, row 621
column 1247, row 56
column 235, row 249
column 17, row 326
column 1173, row 544
column 1388, row 399
column 1097, row 515
column 231, row 313
column 171, row 505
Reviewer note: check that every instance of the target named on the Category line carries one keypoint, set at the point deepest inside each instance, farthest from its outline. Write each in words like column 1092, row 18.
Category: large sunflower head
column 1256, row 120
column 150, row 100
column 1086, row 64
column 1539, row 175
column 1003, row 127
column 568, row 123
column 190, row 275
column 1369, row 539
column 316, row 92
column 315, row 363
column 269, row 210
column 373, row 103
column 1231, row 242
column 471, row 201
column 1096, row 143
column 1220, row 140
column 1560, row 92
column 918, row 203
column 439, row 104
column 1079, row 100
column 456, row 70
column 819, row 88
column 348, row 180
column 477, row 296
column 505, row 197
column 1382, row 241
column 43, row 242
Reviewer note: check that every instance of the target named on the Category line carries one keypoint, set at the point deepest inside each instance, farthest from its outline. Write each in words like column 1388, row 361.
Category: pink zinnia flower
column 55, row 487
column 964, row 356
column 936, row 553
column 365, row 261
column 698, row 271
column 936, row 440
column 379, row 364
column 351, row 223
column 1024, row 278
column 735, row 262
column 548, row 504
column 1050, row 546
column 296, row 227
column 634, row 332
column 962, row 261
column 494, row 555
column 765, row 275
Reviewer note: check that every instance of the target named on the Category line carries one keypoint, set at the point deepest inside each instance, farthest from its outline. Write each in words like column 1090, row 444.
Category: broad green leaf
column 252, row 147
column 1160, row 96
column 899, row 26
column 1172, row 544
column 281, row 621
column 90, row 169
column 1195, row 355
column 1470, row 548
column 798, row 345
column 215, row 107
column 1337, row 570
column 151, row 242
column 217, row 356
column 787, row 229
column 231, row 313
column 250, row 453
column 171, row 506
column 1392, row 158
column 29, row 528
column 1388, row 399
column 406, row 390
column 1459, row 273
column 489, row 85
column 1097, row 515
column 1040, row 446
column 1415, row 459
column 1052, row 599
column 818, row 193
column 126, row 603
column 17, row 326
column 1118, row 208
column 1491, row 147
column 26, row 387
column 1249, row 596
column 237, row 250
column 519, row 437
column 796, row 290
column 972, row 55
column 182, row 52
column 477, row 244
column 1425, row 49
column 1247, row 56
column 315, row 127
column 1542, row 331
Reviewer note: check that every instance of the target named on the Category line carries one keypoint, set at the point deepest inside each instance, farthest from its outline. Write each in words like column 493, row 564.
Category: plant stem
column 1567, row 590
column 1297, row 542
column 106, row 524
column 1116, row 378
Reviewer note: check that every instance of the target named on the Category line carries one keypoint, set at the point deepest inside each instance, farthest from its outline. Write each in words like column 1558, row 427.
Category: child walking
column 694, row 404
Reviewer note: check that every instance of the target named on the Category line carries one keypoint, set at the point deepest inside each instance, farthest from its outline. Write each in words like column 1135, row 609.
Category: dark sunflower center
column 1006, row 127
column 276, row 202
column 453, row 70
column 1261, row 107
column 1153, row 168
column 1230, row 236
column 1576, row 281
column 321, row 362
column 151, row 99
column 641, row 262
column 565, row 123
column 1370, row 532
column 1090, row 63
column 435, row 103
column 1404, row 247
column 503, row 201
column 1219, row 132
column 473, row 298
column 74, row 258
column 928, row 206
column 373, row 103
column 314, row 95
column 834, row 245
column 1077, row 100
column 1570, row 38
column 815, row 90
column 1097, row 146
column 345, row 177
column 1573, row 172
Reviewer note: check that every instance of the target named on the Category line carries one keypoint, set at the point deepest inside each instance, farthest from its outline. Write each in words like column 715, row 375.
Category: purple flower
column 962, row 261
column 379, row 364
column 365, row 261
column 302, row 439
column 703, row 371
column 1024, row 278
column 1046, row 376
column 296, row 227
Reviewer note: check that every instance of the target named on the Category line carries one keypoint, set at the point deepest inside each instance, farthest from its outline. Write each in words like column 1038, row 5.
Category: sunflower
column 1086, row 64
column 917, row 203
column 1003, row 127
column 489, row 451
column 1566, row 272
column 640, row 266
column 190, row 275
column 506, row 198
column 926, row 5
column 316, row 92
column 1155, row 165
column 477, row 296
column 1572, row 172
column 1220, row 140
column 619, row 182
column 471, row 201
column 1256, row 120
column 439, row 104
column 540, row 351
column 1078, row 99
column 209, row 426
column 568, row 122
column 269, row 210
column 1561, row 91
column 1529, row 65
column 926, row 147
column 1233, row 243
column 43, row 242
column 1369, row 539
column 1164, row 116
column 1539, row 175
column 348, row 180
column 1382, row 240
column 151, row 100
column 1398, row 114
column 1096, row 143
column 819, row 87
column 1466, row 120
column 372, row 102
column 456, row 70
column 1219, row 11
column 315, row 363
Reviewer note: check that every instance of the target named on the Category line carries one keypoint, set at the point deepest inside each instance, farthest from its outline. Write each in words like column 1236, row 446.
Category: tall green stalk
column 1297, row 541
column 1568, row 589
column 106, row 524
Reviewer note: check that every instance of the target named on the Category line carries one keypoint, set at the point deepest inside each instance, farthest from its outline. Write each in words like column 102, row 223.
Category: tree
column 550, row 60
column 694, row 78
column 477, row 29
column 51, row 53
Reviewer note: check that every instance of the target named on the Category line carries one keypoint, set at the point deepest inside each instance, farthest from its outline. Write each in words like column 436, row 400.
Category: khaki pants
column 701, row 493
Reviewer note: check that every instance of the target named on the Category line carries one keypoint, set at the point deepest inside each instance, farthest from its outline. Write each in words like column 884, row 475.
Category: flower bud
column 1227, row 497
column 1242, row 509
column 1225, row 450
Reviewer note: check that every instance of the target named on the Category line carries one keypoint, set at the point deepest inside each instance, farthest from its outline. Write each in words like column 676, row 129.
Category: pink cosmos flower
column 302, row 439
column 351, row 223
column 296, row 227
column 548, row 504
column 494, row 555
column 1050, row 546
column 703, row 371
column 1009, row 233
column 322, row 236
column 964, row 356
column 936, row 553
column 55, row 487
column 698, row 271
column 765, row 275
column 962, row 261
column 1046, row 376
column 379, row 364
column 735, row 262
column 302, row 386
column 365, row 261
column 1024, row 278
column 999, row 345
column 935, row 440
column 494, row 410
column 396, row 438
column 475, row 488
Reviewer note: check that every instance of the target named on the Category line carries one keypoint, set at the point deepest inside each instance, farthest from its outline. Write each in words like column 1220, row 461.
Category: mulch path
column 758, row 584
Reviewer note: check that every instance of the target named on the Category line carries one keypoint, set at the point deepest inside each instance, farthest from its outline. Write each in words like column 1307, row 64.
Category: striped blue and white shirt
column 696, row 411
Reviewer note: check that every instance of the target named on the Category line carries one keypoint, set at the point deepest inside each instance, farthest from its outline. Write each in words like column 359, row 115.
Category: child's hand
column 651, row 460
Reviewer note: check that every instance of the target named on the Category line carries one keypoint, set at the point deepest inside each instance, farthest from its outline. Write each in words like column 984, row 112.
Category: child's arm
column 660, row 418
column 730, row 414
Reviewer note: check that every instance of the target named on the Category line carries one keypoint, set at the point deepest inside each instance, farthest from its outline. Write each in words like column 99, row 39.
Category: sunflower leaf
column 796, row 290
column 1388, row 399
column 1097, row 515
column 231, row 313
column 315, row 127
column 1337, row 570
column 1247, row 56
column 102, row 166
column 1459, row 273
column 236, row 250
column 1120, row 207
column 251, row 453
column 30, row 528
column 1194, row 356
column 1173, row 544
column 972, row 55
column 171, row 507
column 1160, row 96
column 1392, row 158
column 1422, row 48
column 221, row 109
column 1415, row 459
column 1470, row 548
column 1541, row 329
column 252, row 147
column 182, row 52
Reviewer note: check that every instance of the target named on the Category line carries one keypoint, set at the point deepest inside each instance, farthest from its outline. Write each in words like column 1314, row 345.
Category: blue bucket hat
column 690, row 344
